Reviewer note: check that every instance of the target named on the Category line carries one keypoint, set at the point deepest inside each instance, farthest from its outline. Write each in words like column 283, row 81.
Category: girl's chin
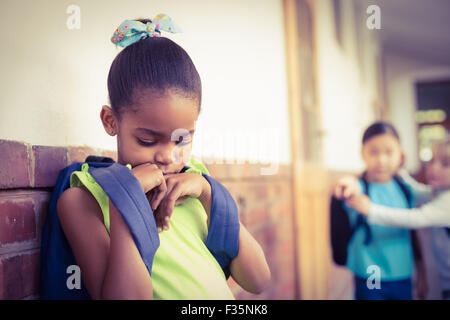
column 380, row 177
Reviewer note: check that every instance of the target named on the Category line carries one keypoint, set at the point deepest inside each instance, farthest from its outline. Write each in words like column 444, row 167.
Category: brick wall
column 28, row 174
column 265, row 208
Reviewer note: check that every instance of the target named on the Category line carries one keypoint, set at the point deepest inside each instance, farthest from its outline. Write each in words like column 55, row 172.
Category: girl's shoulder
column 93, row 191
column 78, row 201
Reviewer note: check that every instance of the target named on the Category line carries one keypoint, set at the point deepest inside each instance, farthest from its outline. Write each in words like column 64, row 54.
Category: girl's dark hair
column 154, row 63
column 378, row 128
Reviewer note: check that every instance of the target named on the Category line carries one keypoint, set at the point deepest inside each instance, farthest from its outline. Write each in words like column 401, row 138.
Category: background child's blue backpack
column 57, row 259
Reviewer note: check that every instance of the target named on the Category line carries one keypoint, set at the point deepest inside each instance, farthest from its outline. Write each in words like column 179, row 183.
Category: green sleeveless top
column 183, row 267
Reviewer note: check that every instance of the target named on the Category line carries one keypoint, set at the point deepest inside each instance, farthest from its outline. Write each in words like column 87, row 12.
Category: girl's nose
column 164, row 155
column 381, row 159
column 433, row 168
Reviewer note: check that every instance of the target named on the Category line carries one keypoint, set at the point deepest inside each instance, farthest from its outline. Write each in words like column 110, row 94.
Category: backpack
column 57, row 259
column 341, row 230
column 56, row 254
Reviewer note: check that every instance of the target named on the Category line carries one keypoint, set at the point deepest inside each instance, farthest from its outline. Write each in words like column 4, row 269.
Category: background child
column 155, row 96
column 434, row 213
column 389, row 248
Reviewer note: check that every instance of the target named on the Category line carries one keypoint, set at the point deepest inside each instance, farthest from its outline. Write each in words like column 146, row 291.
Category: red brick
column 284, row 211
column 286, row 290
column 31, row 271
column 237, row 171
column 111, row 154
column 11, row 287
column 2, row 280
column 269, row 236
column 14, row 165
column 78, row 154
column 217, row 171
column 236, row 188
column 257, row 217
column 19, row 275
column 262, row 191
column 48, row 162
column 282, row 191
column 42, row 214
column 17, row 221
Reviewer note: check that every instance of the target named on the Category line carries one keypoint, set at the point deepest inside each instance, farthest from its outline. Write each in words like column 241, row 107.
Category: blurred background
column 288, row 85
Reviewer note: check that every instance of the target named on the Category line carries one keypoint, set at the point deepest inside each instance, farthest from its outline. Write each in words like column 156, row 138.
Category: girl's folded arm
column 250, row 269
column 111, row 267
column 126, row 276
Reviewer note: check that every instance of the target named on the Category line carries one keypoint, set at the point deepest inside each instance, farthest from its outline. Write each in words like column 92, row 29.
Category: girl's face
column 383, row 156
column 160, row 130
column 438, row 172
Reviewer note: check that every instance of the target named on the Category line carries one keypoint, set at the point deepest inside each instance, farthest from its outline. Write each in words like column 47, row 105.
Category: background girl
column 435, row 213
column 390, row 248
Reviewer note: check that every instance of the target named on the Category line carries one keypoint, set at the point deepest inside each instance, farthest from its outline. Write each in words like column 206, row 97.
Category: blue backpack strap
column 224, row 227
column 56, row 254
column 406, row 191
column 361, row 220
column 223, row 234
column 125, row 192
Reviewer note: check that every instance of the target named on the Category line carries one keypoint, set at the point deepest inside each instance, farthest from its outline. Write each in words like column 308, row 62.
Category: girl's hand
column 346, row 187
column 360, row 203
column 179, row 187
column 151, row 179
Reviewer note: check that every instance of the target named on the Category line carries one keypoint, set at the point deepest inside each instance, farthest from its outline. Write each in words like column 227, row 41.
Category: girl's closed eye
column 152, row 143
column 146, row 143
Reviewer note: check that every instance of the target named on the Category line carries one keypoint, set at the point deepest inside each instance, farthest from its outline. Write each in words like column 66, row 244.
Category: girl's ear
column 402, row 159
column 362, row 154
column 109, row 120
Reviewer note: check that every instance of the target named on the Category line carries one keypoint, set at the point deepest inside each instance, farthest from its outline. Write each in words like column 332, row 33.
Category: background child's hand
column 346, row 187
column 360, row 203
column 179, row 187
column 151, row 179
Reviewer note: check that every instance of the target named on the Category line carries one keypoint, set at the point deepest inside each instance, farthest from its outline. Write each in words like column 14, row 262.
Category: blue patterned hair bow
column 131, row 31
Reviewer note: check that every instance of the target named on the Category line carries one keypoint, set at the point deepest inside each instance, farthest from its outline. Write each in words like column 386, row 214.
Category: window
column 432, row 115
